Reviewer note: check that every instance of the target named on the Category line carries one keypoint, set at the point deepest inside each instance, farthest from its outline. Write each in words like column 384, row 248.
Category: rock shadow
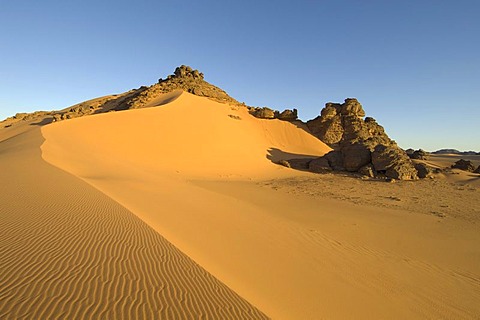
column 296, row 161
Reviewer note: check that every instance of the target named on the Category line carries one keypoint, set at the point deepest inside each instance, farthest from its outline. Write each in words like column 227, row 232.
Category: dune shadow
column 42, row 122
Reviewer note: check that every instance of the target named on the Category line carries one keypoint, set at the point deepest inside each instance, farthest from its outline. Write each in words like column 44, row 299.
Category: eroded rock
column 359, row 144
column 465, row 165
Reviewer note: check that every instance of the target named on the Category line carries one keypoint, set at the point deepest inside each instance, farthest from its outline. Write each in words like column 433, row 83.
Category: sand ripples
column 68, row 251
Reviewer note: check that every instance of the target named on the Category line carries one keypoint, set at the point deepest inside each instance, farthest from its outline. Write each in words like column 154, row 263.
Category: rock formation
column 267, row 113
column 423, row 170
column 184, row 78
column 360, row 145
column 417, row 154
column 465, row 165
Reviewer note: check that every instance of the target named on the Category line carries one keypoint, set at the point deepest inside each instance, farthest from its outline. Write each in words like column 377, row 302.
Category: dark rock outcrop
column 267, row 113
column 423, row 170
column 263, row 113
column 184, row 78
column 360, row 145
column 477, row 170
column 355, row 156
column 393, row 162
column 465, row 165
column 287, row 115
column 319, row 165
column 417, row 154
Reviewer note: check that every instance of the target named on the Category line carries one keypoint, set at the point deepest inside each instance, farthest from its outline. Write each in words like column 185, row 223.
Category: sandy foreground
column 178, row 211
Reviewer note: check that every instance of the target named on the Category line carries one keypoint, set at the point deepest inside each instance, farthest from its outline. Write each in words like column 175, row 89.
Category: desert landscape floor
column 179, row 212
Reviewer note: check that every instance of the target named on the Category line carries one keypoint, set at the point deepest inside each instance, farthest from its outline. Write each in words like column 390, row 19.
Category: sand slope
column 68, row 251
column 201, row 174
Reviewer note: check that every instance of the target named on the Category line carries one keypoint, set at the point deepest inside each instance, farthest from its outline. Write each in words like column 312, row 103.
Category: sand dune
column 201, row 174
column 67, row 251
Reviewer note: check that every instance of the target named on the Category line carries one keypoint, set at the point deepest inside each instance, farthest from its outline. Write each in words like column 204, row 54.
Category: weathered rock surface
column 477, row 170
column 393, row 162
column 287, row 115
column 263, row 113
column 423, row 170
column 465, row 165
column 355, row 156
column 184, row 78
column 360, row 145
column 417, row 154
column 319, row 165
column 267, row 113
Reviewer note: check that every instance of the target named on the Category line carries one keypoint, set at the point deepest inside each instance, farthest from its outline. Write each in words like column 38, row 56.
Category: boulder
column 477, row 170
column 418, row 154
column 465, row 165
column 263, row 113
column 287, row 115
column 393, row 162
column 423, row 171
column 351, row 106
column 319, row 165
column 355, row 156
column 335, row 160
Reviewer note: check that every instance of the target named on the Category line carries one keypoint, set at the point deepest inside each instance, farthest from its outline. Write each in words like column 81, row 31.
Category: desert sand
column 180, row 211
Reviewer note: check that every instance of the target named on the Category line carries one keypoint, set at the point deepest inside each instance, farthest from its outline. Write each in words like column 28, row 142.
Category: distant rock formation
column 465, row 165
column 267, row 113
column 360, row 145
column 455, row 151
column 417, row 154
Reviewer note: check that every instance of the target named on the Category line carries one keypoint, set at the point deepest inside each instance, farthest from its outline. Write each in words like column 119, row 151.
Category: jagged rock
column 477, row 170
column 393, row 162
column 343, row 128
column 423, row 171
column 343, row 124
column 329, row 130
column 352, row 107
column 367, row 171
column 418, row 154
column 263, row 113
column 355, row 156
column 465, row 165
column 287, row 115
column 319, row 165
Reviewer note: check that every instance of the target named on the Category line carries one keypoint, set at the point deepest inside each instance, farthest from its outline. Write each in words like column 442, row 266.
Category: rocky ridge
column 183, row 78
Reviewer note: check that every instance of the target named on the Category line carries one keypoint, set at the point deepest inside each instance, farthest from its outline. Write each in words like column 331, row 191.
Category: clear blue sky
column 414, row 65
